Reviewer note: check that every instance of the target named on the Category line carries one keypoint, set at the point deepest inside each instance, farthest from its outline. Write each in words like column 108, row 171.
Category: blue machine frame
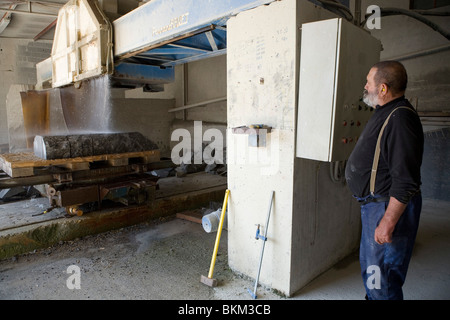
column 170, row 32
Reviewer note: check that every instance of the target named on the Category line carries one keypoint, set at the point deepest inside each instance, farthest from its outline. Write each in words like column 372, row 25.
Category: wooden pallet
column 23, row 164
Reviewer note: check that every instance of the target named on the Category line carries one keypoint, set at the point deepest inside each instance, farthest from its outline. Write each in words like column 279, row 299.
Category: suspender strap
column 376, row 157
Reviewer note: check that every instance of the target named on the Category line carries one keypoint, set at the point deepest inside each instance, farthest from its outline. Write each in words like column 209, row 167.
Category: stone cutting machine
column 139, row 49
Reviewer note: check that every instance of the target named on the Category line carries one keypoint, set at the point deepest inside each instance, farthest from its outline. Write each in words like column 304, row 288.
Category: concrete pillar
column 314, row 221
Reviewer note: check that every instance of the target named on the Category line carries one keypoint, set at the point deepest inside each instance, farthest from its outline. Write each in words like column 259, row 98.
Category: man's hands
column 383, row 233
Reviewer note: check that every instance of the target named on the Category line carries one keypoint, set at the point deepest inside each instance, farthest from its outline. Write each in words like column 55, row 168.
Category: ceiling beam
column 23, row 38
column 45, row 30
column 26, row 2
column 29, row 12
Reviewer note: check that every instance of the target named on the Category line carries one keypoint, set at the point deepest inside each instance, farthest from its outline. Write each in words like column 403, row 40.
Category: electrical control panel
column 335, row 59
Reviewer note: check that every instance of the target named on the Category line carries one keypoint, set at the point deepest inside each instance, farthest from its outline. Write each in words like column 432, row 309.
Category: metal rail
column 170, row 32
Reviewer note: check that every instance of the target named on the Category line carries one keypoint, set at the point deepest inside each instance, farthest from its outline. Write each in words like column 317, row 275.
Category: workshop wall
column 423, row 52
column 203, row 80
column 18, row 60
column 195, row 82
column 436, row 165
column 206, row 80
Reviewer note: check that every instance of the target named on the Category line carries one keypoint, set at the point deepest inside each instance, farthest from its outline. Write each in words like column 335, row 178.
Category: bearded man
column 383, row 173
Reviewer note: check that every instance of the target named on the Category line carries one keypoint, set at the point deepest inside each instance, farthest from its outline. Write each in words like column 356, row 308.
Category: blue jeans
column 384, row 266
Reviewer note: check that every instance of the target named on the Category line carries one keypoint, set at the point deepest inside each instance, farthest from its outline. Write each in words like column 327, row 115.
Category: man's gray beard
column 370, row 100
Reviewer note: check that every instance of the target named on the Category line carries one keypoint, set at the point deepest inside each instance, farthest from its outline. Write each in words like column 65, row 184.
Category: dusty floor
column 149, row 261
column 165, row 259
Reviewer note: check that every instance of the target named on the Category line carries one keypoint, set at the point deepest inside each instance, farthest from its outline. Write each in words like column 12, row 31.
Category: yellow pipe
column 219, row 233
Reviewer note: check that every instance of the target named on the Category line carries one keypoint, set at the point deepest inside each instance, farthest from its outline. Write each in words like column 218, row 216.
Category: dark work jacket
column 401, row 154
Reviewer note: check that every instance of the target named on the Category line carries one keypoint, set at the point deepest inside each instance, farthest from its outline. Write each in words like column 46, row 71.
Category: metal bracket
column 256, row 134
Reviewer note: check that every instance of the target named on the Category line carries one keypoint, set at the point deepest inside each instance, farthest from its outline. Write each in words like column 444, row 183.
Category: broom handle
column 219, row 233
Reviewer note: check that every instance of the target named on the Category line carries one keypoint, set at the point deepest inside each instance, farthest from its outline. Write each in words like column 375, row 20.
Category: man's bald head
column 393, row 74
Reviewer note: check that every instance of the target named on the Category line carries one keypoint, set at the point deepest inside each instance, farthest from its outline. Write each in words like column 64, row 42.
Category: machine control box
column 335, row 59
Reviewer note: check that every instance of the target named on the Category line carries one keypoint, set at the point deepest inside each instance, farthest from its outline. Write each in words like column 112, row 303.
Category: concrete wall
column 16, row 135
column 206, row 80
column 194, row 83
column 261, row 90
column 18, row 60
column 436, row 165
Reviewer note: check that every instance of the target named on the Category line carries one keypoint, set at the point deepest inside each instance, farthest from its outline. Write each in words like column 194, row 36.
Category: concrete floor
column 164, row 259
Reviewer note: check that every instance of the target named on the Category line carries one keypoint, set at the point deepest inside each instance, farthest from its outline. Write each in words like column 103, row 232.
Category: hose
column 432, row 13
column 397, row 11
column 337, row 171
column 343, row 10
